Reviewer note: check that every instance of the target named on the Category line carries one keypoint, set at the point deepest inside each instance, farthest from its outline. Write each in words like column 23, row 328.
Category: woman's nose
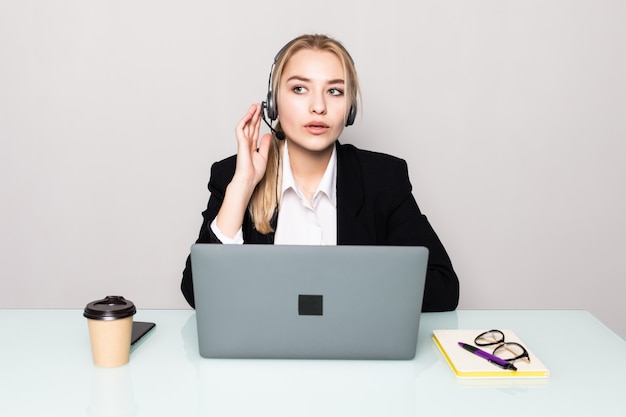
column 318, row 103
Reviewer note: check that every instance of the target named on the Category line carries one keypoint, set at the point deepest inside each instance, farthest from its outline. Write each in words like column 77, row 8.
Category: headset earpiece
column 270, row 108
column 351, row 116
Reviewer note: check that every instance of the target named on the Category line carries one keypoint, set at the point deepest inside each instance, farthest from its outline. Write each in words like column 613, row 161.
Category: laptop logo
column 310, row 305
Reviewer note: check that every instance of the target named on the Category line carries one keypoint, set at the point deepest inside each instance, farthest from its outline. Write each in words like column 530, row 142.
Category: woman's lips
column 316, row 128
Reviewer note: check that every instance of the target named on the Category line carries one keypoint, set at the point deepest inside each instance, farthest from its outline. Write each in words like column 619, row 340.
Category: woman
column 301, row 186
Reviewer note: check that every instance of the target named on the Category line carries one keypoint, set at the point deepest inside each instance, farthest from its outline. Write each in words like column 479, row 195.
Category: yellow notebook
column 468, row 365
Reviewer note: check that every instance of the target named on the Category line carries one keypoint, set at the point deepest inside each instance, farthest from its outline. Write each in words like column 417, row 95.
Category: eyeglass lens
column 508, row 351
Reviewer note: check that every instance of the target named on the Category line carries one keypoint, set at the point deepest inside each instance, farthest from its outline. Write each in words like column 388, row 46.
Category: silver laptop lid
column 308, row 302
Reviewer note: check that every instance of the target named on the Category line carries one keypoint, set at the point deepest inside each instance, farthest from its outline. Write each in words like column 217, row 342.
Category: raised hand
column 251, row 160
column 251, row 164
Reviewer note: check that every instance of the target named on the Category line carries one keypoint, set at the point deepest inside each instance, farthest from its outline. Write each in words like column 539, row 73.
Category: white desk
column 46, row 370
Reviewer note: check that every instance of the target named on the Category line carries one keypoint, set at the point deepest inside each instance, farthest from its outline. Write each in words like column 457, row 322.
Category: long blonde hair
column 265, row 198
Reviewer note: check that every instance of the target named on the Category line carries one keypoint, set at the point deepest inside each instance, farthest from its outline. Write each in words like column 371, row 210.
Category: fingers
column 247, row 130
column 251, row 163
column 252, row 128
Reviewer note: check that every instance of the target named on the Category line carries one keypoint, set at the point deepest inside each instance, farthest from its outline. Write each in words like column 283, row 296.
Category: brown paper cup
column 110, row 323
column 110, row 341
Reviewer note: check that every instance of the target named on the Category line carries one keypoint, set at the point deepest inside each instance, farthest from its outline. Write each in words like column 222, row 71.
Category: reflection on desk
column 46, row 369
column 303, row 388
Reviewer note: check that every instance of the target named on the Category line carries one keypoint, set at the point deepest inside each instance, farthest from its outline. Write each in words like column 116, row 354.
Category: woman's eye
column 299, row 90
column 335, row 92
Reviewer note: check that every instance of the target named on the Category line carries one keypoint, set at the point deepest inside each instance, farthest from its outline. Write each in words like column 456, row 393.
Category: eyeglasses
column 508, row 351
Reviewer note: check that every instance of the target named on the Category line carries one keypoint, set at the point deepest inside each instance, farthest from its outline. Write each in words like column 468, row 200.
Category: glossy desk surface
column 46, row 370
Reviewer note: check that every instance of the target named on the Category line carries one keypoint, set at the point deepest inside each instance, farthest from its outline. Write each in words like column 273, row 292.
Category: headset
column 270, row 108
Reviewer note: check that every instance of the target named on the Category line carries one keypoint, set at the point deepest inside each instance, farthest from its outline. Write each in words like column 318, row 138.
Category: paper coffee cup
column 110, row 323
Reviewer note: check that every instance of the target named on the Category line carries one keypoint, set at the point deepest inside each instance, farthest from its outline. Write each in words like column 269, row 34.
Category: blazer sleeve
column 221, row 175
column 408, row 226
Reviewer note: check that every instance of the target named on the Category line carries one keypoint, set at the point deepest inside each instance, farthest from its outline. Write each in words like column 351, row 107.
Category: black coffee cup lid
column 111, row 307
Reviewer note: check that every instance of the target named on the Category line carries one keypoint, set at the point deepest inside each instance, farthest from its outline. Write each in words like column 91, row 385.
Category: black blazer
column 375, row 206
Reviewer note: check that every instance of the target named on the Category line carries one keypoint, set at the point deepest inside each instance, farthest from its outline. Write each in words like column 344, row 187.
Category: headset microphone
column 280, row 135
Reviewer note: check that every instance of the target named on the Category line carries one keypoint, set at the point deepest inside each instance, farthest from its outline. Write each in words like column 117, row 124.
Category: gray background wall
column 511, row 115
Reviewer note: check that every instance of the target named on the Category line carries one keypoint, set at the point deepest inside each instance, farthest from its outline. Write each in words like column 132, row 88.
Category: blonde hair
column 265, row 198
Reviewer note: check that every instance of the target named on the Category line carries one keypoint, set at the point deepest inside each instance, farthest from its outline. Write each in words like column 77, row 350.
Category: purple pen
column 489, row 357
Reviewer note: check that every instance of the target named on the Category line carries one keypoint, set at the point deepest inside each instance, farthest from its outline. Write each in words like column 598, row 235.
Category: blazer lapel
column 351, row 229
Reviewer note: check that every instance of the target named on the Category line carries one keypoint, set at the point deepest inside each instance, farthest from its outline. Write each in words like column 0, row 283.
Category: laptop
column 308, row 302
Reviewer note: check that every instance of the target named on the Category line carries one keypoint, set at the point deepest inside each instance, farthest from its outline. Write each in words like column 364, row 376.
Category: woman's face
column 311, row 100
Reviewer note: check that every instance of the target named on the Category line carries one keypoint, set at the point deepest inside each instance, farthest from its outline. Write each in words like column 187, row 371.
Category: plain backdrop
column 510, row 114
